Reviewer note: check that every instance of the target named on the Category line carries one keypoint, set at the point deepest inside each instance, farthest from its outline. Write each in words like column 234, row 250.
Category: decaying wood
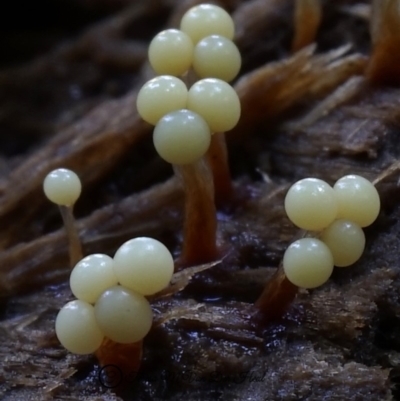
column 311, row 113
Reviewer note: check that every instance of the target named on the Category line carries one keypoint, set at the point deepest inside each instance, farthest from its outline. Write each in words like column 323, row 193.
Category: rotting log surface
column 69, row 101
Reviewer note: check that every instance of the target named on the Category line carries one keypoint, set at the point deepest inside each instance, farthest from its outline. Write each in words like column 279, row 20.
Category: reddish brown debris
column 384, row 64
column 307, row 19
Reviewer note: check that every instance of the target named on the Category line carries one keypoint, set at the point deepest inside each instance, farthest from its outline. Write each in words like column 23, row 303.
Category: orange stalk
column 200, row 224
column 217, row 157
column 278, row 294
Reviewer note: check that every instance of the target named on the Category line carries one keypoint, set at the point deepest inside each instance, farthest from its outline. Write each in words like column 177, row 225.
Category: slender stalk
column 200, row 225
column 75, row 246
column 217, row 157
column 278, row 294
column 119, row 363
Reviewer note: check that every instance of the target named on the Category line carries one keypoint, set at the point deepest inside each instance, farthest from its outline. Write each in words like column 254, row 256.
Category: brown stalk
column 278, row 294
column 74, row 242
column 217, row 157
column 200, row 224
column 118, row 362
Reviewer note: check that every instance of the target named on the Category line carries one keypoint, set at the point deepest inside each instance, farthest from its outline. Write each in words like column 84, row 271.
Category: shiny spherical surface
column 144, row 265
column 62, row 186
column 123, row 315
column 311, row 204
column 205, row 20
column 77, row 329
column 92, row 276
column 216, row 57
column 308, row 263
column 217, row 102
column 346, row 241
column 160, row 96
column 171, row 52
column 182, row 137
column 358, row 200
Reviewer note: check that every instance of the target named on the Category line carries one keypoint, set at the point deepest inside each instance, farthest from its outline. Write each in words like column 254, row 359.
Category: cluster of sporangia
column 185, row 119
column 110, row 292
column 337, row 214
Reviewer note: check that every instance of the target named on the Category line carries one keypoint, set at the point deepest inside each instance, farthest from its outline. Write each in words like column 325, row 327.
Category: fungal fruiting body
column 311, row 204
column 182, row 137
column 77, row 328
column 339, row 212
column 346, row 240
column 119, row 314
column 216, row 57
column 92, row 276
column 144, row 265
column 190, row 137
column 123, row 315
column 205, row 20
column 171, row 52
column 217, row 102
column 160, row 96
column 63, row 187
column 358, row 200
column 308, row 263
column 183, row 127
column 204, row 43
column 111, row 294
